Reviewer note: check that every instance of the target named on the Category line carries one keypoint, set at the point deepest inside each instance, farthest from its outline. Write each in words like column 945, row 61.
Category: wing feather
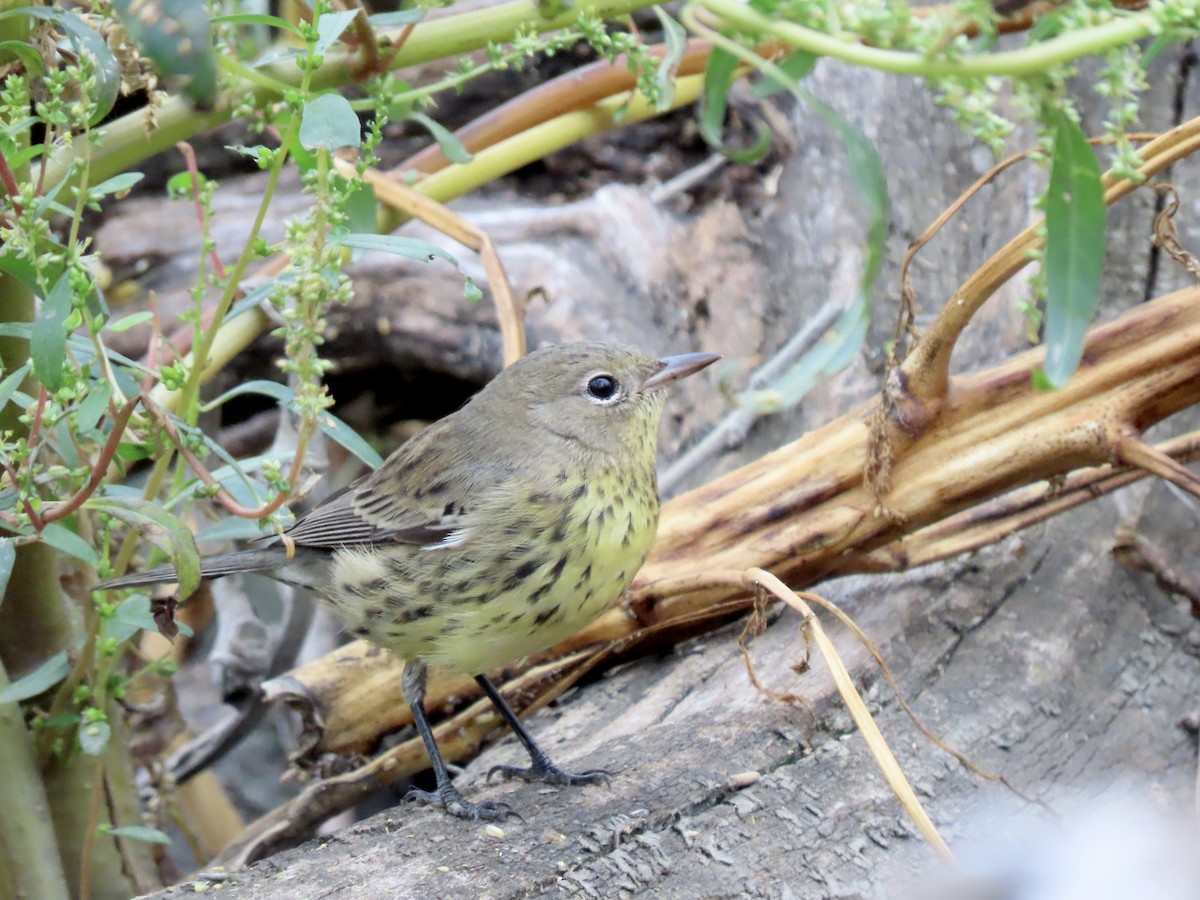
column 421, row 495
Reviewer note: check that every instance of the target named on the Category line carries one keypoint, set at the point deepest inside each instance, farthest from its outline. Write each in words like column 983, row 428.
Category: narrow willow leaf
column 40, row 680
column 330, row 122
column 86, row 43
column 132, row 616
column 331, row 426
column 256, row 19
column 60, row 537
column 129, row 321
column 450, row 145
column 330, row 27
column 8, row 556
column 675, row 37
column 338, row 431
column 9, row 385
column 1076, row 220
column 797, row 64
column 104, row 64
column 843, row 341
column 422, row 251
column 118, row 184
column 48, row 341
column 718, row 79
column 88, row 413
column 163, row 530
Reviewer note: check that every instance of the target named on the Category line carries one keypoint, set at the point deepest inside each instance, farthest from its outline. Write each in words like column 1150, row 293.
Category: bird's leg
column 445, row 795
column 542, row 769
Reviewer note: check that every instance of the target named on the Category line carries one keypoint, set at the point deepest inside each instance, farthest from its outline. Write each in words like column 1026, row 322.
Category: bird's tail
column 210, row 567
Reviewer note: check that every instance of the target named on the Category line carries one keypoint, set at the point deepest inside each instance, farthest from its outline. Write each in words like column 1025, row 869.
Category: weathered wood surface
column 1040, row 658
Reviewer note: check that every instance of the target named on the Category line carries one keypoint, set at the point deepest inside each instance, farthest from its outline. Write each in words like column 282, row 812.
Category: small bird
column 496, row 532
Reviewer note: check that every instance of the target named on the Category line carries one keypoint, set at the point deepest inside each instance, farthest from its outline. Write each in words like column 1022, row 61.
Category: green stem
column 252, row 76
column 30, row 865
column 124, row 143
column 191, row 388
column 1025, row 61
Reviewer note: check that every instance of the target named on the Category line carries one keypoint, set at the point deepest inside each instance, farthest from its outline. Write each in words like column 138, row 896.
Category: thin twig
column 510, row 314
column 189, row 156
column 99, row 468
column 223, row 496
column 858, row 709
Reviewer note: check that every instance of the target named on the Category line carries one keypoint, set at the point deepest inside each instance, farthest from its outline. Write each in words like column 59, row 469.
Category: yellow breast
column 546, row 566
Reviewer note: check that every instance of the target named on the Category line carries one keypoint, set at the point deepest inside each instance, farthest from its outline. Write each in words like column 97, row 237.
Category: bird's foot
column 544, row 770
column 448, row 798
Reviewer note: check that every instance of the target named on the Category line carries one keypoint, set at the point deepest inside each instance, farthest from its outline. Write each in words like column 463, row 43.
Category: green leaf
column 1076, row 220
column 718, row 79
column 140, row 833
column 118, row 184
column 48, row 341
column 9, row 385
column 844, row 340
column 337, row 430
column 330, row 27
column 176, row 35
column 40, row 680
column 422, row 251
column 179, row 185
column 132, row 616
column 359, row 207
column 333, row 427
column 797, row 64
column 60, row 537
column 675, row 38
column 8, row 556
column 86, row 43
column 129, row 321
column 163, row 530
column 29, row 57
column 392, row 19
column 256, row 19
column 450, row 145
column 88, row 413
column 93, row 737
column 329, row 121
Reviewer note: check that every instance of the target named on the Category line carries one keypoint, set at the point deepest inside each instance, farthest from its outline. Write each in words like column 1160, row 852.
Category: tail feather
column 210, row 567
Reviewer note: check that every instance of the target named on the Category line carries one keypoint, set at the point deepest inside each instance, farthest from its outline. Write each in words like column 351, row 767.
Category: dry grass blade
column 758, row 578
column 964, row 760
column 399, row 196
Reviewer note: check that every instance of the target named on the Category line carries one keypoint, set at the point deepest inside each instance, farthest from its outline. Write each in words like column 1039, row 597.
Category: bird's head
column 599, row 398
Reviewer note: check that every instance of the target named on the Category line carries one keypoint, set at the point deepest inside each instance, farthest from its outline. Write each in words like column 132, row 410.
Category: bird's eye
column 602, row 387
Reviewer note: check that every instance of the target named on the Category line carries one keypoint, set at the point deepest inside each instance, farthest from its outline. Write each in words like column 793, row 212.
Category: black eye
column 602, row 387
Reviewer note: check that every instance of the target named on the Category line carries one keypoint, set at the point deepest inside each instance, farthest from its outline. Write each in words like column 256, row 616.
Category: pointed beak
column 677, row 367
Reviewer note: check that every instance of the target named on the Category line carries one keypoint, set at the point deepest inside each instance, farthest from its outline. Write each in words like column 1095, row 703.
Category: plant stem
column 125, row 142
column 30, row 865
column 1026, row 61
column 537, row 142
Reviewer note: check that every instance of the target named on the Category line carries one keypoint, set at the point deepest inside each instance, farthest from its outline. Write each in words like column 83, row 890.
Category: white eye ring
column 603, row 388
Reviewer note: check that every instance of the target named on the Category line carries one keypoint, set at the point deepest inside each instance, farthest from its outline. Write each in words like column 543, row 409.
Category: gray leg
column 445, row 795
column 542, row 769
